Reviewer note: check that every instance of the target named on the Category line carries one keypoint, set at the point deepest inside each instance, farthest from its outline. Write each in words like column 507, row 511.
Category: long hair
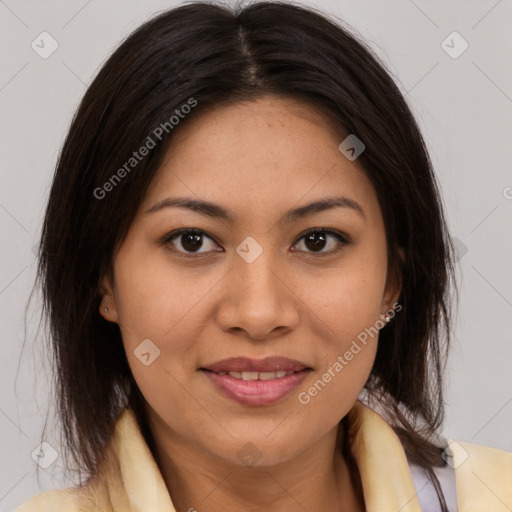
column 212, row 55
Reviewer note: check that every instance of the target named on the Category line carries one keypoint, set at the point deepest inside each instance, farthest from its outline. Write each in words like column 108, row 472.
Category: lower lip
column 256, row 392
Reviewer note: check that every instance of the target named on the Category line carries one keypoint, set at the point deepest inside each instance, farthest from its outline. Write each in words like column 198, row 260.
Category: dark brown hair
column 217, row 54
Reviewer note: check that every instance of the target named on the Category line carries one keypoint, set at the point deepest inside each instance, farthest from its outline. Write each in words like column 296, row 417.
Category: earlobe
column 107, row 307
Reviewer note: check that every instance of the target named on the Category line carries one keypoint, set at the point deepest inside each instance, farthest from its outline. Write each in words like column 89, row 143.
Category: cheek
column 348, row 304
column 154, row 298
column 157, row 319
column 158, row 325
column 350, row 328
column 349, row 300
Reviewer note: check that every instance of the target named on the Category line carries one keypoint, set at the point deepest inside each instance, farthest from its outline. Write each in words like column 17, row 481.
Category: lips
column 256, row 382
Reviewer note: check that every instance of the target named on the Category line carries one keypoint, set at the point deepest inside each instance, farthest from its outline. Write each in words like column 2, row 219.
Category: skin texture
column 258, row 160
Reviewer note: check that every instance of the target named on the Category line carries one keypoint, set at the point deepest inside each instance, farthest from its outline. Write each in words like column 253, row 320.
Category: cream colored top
column 130, row 480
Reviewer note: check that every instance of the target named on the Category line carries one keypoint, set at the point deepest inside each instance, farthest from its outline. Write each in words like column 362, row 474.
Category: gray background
column 463, row 106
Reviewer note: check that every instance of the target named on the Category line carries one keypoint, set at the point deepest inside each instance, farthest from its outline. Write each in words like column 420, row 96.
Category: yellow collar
column 383, row 467
column 131, row 480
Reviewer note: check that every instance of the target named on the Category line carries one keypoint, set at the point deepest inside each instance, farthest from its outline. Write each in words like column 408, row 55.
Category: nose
column 258, row 299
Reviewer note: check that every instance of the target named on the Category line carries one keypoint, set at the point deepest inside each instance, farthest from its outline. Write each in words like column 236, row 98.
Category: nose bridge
column 258, row 299
column 257, row 268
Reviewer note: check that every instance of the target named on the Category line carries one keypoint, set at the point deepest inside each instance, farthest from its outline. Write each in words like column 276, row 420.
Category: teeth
column 267, row 375
column 258, row 375
column 249, row 375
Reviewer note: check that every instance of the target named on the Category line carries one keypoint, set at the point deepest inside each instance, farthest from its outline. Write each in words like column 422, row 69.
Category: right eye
column 190, row 240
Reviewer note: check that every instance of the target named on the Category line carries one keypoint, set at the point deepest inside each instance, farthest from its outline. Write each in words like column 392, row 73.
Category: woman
column 247, row 270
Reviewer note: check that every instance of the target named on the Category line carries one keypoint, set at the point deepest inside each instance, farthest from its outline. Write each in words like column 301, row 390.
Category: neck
column 319, row 478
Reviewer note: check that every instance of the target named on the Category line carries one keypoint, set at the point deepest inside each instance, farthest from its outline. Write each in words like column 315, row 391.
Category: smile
column 256, row 388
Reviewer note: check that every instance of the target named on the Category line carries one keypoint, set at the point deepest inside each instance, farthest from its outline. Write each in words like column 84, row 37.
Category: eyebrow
column 216, row 211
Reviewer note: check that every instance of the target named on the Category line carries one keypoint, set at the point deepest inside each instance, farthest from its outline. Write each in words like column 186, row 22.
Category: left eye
column 316, row 239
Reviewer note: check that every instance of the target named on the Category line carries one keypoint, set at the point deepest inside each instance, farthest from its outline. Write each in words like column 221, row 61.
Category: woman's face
column 251, row 284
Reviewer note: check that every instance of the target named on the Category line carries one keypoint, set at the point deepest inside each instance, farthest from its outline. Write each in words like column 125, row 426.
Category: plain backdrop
column 463, row 104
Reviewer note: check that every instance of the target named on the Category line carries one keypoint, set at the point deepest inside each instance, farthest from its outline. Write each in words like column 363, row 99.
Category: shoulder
column 91, row 498
column 483, row 476
column 475, row 478
column 481, row 455
column 52, row 501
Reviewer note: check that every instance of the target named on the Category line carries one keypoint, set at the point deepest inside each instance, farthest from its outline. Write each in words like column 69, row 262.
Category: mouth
column 256, row 382
column 256, row 375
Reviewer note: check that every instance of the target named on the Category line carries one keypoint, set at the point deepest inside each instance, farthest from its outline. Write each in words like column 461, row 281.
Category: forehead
column 261, row 155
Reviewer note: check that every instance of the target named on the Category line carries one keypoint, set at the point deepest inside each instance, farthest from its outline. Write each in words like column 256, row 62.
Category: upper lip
column 245, row 364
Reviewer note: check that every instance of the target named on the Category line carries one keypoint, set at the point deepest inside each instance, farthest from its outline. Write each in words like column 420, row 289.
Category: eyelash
column 342, row 240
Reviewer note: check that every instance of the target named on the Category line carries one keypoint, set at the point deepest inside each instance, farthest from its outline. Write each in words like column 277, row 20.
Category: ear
column 393, row 284
column 108, row 307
